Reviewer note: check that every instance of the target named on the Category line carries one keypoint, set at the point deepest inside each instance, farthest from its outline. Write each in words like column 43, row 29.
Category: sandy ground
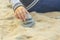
column 47, row 25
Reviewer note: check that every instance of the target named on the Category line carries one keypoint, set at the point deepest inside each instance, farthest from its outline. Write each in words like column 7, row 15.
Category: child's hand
column 20, row 13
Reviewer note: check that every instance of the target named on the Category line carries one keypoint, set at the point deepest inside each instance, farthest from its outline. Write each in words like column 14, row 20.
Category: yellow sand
column 47, row 25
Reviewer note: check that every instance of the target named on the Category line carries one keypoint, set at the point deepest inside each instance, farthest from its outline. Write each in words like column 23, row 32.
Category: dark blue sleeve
column 46, row 6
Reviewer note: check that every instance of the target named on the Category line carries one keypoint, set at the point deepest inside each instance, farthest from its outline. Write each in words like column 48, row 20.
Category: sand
column 47, row 25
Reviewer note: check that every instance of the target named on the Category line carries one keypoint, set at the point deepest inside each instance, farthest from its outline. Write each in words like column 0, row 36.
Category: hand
column 20, row 13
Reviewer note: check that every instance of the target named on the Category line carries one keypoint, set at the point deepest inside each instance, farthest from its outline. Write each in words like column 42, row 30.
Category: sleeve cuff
column 17, row 5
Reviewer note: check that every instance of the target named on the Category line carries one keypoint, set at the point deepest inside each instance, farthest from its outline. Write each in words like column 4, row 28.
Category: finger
column 27, row 11
column 23, row 16
column 24, row 13
column 18, row 15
